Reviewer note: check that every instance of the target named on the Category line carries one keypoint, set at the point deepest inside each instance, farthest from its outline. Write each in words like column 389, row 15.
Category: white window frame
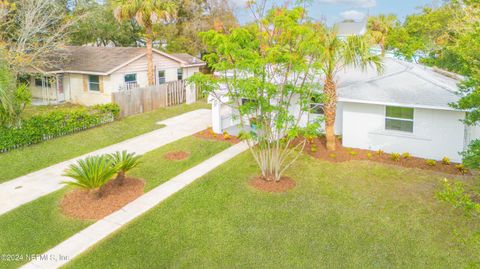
column 179, row 72
column 399, row 119
column 90, row 83
column 164, row 76
column 125, row 78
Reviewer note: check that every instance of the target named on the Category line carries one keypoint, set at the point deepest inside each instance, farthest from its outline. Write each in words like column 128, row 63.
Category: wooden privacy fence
column 149, row 98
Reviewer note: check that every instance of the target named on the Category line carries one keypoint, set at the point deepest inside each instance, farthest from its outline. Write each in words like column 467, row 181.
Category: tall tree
column 146, row 13
column 273, row 63
column 100, row 28
column 338, row 54
column 379, row 28
column 33, row 32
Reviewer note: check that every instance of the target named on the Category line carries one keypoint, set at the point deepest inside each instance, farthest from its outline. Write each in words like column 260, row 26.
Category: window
column 130, row 78
column 161, row 77
column 93, row 83
column 38, row 82
column 43, row 82
column 316, row 107
column 180, row 74
column 399, row 119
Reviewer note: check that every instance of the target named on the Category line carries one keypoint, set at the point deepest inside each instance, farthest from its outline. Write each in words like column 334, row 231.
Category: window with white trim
column 93, row 83
column 130, row 78
column 399, row 119
column 180, row 74
column 161, row 77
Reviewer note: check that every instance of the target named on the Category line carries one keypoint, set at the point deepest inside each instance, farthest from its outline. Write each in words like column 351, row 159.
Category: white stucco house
column 405, row 109
column 89, row 75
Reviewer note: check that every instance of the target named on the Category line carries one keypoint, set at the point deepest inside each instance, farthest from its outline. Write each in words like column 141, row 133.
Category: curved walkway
column 80, row 242
column 24, row 189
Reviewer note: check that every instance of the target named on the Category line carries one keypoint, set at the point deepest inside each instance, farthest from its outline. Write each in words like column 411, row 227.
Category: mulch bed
column 82, row 204
column 210, row 135
column 176, row 155
column 317, row 148
column 285, row 184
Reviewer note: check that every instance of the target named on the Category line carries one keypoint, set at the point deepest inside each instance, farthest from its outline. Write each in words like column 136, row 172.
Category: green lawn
column 26, row 160
column 38, row 226
column 350, row 215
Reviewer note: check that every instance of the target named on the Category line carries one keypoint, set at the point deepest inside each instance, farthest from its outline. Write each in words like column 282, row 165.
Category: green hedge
column 57, row 123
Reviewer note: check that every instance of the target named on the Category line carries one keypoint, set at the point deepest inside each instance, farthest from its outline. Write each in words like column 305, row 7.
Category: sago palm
column 146, row 13
column 336, row 55
column 124, row 162
column 91, row 173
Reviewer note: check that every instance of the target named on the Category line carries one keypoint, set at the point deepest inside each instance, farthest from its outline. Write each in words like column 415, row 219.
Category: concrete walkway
column 80, row 242
column 24, row 189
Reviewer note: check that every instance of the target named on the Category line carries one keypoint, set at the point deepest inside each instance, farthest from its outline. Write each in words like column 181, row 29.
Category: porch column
column 216, row 117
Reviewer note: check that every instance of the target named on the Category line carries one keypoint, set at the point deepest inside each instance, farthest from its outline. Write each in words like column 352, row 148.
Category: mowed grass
column 349, row 215
column 29, row 159
column 38, row 226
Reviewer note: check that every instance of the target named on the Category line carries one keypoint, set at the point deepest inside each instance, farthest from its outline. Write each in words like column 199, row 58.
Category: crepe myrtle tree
column 269, row 72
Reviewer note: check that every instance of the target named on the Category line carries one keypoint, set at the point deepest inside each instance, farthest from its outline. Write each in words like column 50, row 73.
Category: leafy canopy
column 266, row 69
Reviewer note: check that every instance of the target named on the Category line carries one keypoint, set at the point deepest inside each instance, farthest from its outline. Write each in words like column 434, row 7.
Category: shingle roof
column 401, row 83
column 351, row 28
column 187, row 58
column 105, row 59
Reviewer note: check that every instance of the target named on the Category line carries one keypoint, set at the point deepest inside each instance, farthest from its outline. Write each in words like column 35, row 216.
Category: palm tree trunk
column 382, row 45
column 330, row 109
column 120, row 179
column 150, row 74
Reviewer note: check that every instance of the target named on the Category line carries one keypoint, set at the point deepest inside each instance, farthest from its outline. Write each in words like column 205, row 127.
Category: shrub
column 431, row 162
column 226, row 136
column 380, row 152
column 353, row 153
column 446, row 161
column 395, row 157
column 406, row 155
column 369, row 155
column 332, row 155
column 461, row 168
column 455, row 194
column 124, row 162
column 92, row 173
column 56, row 123
column 314, row 148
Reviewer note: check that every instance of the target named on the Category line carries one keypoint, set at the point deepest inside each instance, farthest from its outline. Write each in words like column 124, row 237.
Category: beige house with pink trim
column 90, row 75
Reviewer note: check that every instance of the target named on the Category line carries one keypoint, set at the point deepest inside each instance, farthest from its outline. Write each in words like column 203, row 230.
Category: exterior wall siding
column 76, row 87
column 436, row 133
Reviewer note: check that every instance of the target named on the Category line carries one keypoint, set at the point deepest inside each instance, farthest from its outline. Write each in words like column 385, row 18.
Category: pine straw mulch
column 210, row 135
column 285, row 184
column 317, row 149
column 176, row 155
column 86, row 205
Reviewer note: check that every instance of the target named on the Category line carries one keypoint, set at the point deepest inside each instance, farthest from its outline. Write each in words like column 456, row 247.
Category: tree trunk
column 382, row 46
column 150, row 74
column 330, row 109
column 120, row 179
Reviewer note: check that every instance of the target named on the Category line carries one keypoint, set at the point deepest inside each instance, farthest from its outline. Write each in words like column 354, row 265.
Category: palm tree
column 124, row 162
column 336, row 55
column 146, row 13
column 92, row 173
column 379, row 28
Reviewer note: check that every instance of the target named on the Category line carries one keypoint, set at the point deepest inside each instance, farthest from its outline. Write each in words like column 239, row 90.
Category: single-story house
column 405, row 109
column 89, row 75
